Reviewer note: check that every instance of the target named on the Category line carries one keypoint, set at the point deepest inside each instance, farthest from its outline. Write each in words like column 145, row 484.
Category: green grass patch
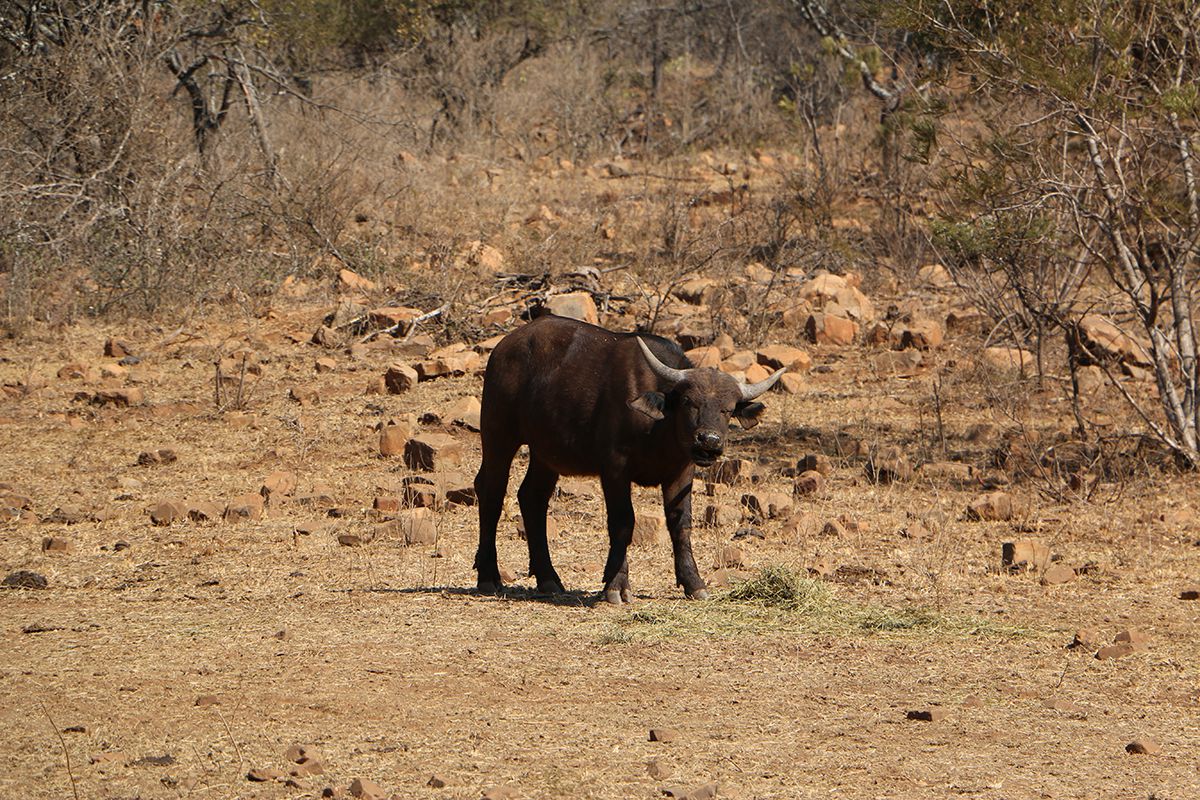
column 778, row 601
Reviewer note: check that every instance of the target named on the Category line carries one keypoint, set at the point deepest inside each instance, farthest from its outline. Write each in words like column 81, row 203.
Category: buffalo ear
column 651, row 404
column 748, row 413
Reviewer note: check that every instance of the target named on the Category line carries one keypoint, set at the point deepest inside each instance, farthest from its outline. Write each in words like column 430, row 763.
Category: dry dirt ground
column 382, row 660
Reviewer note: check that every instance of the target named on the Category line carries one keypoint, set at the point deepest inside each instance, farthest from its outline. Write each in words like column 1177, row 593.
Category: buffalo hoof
column 699, row 594
column 489, row 587
column 617, row 596
column 550, row 587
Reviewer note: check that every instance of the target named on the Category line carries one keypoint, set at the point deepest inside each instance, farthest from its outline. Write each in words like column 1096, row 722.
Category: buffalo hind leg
column 491, row 483
column 677, row 502
column 534, row 499
column 619, row 506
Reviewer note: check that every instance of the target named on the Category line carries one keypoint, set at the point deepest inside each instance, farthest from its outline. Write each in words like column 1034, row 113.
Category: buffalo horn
column 753, row 390
column 669, row 374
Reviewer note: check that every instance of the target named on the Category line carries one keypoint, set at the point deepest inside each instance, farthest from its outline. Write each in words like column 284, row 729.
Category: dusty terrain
column 220, row 644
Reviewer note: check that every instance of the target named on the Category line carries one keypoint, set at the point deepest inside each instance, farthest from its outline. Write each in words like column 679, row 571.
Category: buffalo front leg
column 619, row 507
column 534, row 499
column 677, row 503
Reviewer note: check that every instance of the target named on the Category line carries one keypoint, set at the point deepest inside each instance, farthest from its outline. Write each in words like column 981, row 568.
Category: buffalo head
column 701, row 401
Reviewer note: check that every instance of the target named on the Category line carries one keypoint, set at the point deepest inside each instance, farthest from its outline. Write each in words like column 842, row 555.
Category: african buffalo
column 629, row 408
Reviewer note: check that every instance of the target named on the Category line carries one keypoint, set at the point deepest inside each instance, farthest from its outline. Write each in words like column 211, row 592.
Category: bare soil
column 383, row 660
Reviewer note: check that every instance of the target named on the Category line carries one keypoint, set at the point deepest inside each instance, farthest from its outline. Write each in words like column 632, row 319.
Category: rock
column 658, row 770
column 67, row 515
column 815, row 461
column 165, row 512
column 398, row 318
column 367, row 790
column 499, row 793
column 164, row 455
column 902, row 364
column 705, row 356
column 834, row 294
column 739, row 361
column 1133, row 636
column 730, row 557
column 790, row 383
column 575, row 305
column 730, row 470
column 24, row 579
column 697, row 291
column 204, row 511
column 719, row 516
column 1115, row 651
column 115, row 348
column 305, row 395
column 350, row 281
column 465, row 412
column 206, row 700
column 1024, row 554
column 919, row 333
column 1145, row 747
column 449, row 365
column 649, row 529
column 1086, row 639
column 1190, row 593
column 834, row 528
column 808, row 482
column 1010, row 358
column 432, row 451
column 1104, row 342
column 393, row 439
column 950, row 472
column 119, row 398
column 823, row 328
column 355, row 539
column 323, row 365
column 484, row 257
column 244, row 506
column 551, row 529
column 928, row 714
column 761, row 505
column 779, row 356
column 399, row 378
column 1057, row 574
column 964, row 320
column 706, row 791
column 307, row 767
column 278, row 484
column 56, row 544
column 664, row 735
column 413, row 526
column 461, row 494
column 990, row 507
column 325, row 337
column 934, row 275
column 888, row 464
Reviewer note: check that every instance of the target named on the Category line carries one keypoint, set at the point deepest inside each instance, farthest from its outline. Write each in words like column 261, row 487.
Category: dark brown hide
column 587, row 402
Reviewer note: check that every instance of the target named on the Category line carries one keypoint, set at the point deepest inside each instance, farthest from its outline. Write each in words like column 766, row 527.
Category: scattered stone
column 432, row 451
column 779, row 356
column 705, row 356
column 204, row 511
column 245, row 506
column 1145, row 747
column 664, row 735
column 118, row 398
column 790, row 383
column 115, row 348
column 1024, row 554
column 67, row 515
column 325, row 364
column 56, row 544
column 399, row 378
column 448, row 365
column 393, row 439
column 1190, row 593
column 818, row 462
column 165, row 512
column 719, row 516
column 1086, row 639
column 763, row 505
column 278, row 484
column 834, row 294
column 729, row 557
column 1057, row 574
column 1009, row 358
column 888, row 464
column 919, row 333
column 833, row 528
column 1133, row 636
column 576, row 305
column 935, row 714
column 109, row 757
column 365, row 789
column 899, row 364
column 704, row 792
column 649, row 529
column 462, row 494
column 1065, row 706
column 990, row 507
column 206, row 700
column 465, row 412
column 658, row 770
column 355, row 539
column 730, row 470
column 951, row 472
column 413, row 526
column 823, row 328
column 551, row 529
column 350, row 281
column 1115, row 651
column 499, row 793
column 808, row 482
column 436, row 782
column 163, row 455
